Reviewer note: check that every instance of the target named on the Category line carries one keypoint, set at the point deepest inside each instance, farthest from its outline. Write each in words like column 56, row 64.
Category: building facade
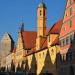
column 67, row 40
column 6, row 47
column 38, row 50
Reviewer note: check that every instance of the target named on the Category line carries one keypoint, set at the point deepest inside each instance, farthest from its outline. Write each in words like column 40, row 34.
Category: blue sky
column 13, row 11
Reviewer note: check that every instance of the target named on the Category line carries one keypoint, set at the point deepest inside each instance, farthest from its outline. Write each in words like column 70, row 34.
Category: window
column 71, row 11
column 40, row 55
column 64, row 28
column 40, row 12
column 70, row 23
column 49, row 38
column 71, row 38
column 66, row 14
column 63, row 42
column 70, row 2
column 43, row 53
column 69, row 56
column 52, row 52
column 67, row 40
column 63, row 57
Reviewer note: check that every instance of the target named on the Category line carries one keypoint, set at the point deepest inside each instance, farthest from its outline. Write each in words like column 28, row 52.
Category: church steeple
column 41, row 23
column 42, row 4
column 41, row 19
column 22, row 26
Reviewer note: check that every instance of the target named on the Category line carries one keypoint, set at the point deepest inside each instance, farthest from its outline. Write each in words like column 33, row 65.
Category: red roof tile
column 55, row 28
column 43, row 46
column 29, row 39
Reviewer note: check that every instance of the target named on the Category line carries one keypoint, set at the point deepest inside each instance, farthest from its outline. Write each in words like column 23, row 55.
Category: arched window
column 40, row 12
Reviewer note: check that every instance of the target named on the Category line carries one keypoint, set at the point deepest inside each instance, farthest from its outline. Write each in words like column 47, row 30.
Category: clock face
column 53, row 55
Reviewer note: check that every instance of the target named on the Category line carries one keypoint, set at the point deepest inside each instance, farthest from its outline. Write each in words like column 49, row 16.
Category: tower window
column 40, row 12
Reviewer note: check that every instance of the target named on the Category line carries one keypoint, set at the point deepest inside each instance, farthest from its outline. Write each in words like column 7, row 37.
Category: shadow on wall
column 67, row 67
column 26, row 66
column 48, row 67
column 33, row 69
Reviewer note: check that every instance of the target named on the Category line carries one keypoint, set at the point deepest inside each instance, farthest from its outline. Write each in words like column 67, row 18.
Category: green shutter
column 70, row 23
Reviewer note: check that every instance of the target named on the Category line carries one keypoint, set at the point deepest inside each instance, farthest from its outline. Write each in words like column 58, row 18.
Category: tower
column 41, row 19
column 41, row 23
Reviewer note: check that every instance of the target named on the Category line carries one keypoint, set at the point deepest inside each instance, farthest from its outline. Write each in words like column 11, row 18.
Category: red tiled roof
column 29, row 39
column 43, row 46
column 56, row 27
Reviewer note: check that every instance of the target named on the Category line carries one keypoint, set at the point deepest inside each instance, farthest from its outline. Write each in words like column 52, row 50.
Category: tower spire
column 21, row 25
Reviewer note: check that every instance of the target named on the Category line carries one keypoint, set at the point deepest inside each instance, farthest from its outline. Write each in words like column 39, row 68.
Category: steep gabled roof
column 29, row 39
column 55, row 29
